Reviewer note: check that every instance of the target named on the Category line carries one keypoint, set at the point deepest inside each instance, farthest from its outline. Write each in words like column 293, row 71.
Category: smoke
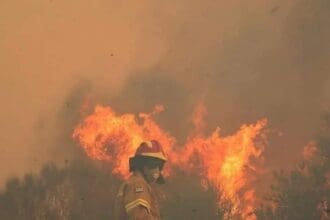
column 245, row 60
column 52, row 53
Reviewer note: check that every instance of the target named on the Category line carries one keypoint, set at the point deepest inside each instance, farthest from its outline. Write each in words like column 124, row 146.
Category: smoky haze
column 245, row 60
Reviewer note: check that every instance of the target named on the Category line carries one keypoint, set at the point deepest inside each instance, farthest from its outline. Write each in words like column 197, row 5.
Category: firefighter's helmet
column 151, row 149
column 148, row 152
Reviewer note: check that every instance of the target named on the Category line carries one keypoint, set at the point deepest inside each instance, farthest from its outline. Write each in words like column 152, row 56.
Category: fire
column 105, row 136
column 228, row 164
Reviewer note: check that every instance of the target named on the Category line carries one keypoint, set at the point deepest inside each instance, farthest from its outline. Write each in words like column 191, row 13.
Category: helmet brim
column 157, row 155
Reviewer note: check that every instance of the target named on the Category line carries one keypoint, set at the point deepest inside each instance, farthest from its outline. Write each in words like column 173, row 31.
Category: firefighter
column 136, row 198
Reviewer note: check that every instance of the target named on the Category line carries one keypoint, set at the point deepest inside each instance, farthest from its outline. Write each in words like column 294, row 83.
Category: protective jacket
column 136, row 200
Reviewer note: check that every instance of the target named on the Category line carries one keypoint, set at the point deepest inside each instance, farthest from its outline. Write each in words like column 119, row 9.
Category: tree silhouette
column 297, row 194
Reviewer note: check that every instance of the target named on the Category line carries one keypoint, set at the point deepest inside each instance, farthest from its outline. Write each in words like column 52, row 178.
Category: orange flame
column 111, row 138
column 227, row 164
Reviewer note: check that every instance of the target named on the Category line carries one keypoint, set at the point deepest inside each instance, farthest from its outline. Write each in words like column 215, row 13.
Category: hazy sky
column 245, row 59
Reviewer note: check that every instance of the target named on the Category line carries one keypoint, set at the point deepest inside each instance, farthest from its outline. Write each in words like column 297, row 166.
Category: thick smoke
column 51, row 53
column 245, row 60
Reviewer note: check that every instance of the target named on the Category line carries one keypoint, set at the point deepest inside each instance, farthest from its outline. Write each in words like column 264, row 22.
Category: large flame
column 226, row 163
column 108, row 137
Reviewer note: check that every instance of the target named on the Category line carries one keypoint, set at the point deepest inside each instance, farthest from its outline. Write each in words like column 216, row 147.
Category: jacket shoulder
column 137, row 193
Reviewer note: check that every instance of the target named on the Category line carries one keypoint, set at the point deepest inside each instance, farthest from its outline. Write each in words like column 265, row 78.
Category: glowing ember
column 111, row 138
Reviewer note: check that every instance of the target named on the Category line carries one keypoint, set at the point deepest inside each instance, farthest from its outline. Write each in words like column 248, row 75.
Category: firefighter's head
column 149, row 159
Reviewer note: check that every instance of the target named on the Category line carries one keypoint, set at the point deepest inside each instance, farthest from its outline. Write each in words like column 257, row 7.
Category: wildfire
column 108, row 137
column 227, row 164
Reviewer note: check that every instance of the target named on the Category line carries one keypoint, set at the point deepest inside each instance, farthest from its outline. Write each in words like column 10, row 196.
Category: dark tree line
column 78, row 191
column 83, row 190
column 297, row 195
column 86, row 190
